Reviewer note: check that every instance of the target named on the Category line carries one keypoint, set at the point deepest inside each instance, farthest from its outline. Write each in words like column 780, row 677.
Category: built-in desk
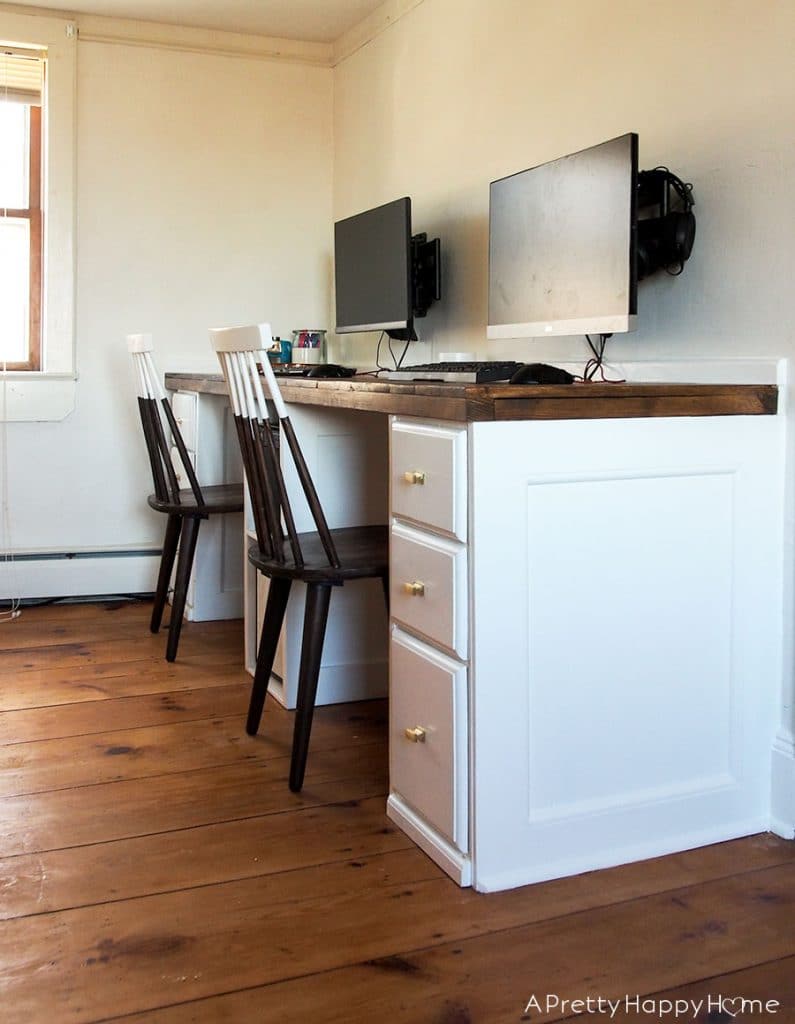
column 475, row 403
column 585, row 644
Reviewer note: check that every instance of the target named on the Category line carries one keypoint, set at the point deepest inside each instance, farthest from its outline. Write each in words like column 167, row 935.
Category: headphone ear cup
column 649, row 241
column 665, row 241
column 680, row 231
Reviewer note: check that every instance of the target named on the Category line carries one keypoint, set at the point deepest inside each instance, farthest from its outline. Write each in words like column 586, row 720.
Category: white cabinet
column 585, row 648
column 595, row 672
column 429, row 595
column 206, row 425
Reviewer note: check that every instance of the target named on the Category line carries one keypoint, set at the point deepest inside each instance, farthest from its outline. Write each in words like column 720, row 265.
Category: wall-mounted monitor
column 384, row 277
column 562, row 245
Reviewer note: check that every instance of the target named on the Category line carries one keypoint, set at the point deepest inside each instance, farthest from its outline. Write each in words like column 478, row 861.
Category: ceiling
column 321, row 21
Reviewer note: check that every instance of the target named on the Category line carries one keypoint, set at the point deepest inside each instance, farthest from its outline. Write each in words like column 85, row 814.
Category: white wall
column 204, row 198
column 460, row 92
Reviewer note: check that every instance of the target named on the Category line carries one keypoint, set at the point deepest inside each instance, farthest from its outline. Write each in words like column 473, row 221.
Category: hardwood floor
column 154, row 867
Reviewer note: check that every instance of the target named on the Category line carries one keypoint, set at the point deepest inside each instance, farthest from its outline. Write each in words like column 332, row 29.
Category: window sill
column 27, row 396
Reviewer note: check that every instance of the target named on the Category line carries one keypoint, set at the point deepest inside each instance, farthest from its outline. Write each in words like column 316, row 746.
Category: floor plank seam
column 241, row 763
column 125, row 728
column 206, row 824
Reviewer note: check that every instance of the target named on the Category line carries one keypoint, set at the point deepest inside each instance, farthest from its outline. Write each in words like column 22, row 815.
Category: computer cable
column 596, row 363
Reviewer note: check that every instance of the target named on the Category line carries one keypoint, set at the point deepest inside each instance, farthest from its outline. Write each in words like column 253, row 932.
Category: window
column 38, row 380
column 21, row 228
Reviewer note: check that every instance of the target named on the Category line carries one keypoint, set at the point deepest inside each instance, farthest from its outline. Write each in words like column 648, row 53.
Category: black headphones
column 666, row 236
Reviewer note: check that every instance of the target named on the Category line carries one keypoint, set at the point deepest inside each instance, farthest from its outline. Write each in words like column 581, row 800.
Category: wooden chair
column 184, row 507
column 321, row 559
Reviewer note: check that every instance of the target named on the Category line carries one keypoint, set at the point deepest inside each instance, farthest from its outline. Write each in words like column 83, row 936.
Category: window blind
column 21, row 75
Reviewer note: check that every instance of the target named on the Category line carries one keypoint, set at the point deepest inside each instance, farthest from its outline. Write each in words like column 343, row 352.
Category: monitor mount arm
column 426, row 287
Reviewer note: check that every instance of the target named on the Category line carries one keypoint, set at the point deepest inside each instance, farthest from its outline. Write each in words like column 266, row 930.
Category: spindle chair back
column 322, row 558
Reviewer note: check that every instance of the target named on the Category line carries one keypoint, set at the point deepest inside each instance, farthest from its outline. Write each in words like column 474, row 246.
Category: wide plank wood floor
column 155, row 868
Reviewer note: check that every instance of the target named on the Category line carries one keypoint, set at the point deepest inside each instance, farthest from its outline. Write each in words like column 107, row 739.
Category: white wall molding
column 94, row 29
column 710, row 370
column 783, row 786
column 367, row 29
column 36, row 398
column 83, row 574
column 128, row 32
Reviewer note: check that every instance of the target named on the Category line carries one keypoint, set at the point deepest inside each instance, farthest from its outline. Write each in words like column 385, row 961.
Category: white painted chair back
column 161, row 431
column 242, row 352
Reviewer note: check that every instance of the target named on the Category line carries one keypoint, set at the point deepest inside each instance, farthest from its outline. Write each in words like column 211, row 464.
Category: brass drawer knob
column 414, row 589
column 415, row 735
column 414, row 476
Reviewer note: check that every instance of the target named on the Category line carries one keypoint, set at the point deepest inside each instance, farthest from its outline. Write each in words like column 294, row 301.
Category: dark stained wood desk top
column 484, row 402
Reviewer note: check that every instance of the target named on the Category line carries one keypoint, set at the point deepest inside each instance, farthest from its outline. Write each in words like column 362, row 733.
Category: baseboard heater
column 84, row 573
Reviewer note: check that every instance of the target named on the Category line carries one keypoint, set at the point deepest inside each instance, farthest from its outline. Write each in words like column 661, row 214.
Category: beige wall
column 460, row 92
column 204, row 198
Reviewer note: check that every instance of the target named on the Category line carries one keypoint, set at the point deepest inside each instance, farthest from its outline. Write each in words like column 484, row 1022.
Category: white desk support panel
column 586, row 615
column 216, row 586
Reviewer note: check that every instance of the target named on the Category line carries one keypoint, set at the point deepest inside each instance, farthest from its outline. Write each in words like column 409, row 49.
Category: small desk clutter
column 585, row 616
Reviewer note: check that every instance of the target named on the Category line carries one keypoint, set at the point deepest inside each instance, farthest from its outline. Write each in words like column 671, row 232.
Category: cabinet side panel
column 626, row 670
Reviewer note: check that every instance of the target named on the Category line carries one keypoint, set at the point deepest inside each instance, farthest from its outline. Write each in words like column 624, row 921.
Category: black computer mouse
column 541, row 373
column 331, row 370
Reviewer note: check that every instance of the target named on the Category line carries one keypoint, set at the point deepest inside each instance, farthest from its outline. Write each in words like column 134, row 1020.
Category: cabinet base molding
column 628, row 853
column 783, row 793
column 456, row 864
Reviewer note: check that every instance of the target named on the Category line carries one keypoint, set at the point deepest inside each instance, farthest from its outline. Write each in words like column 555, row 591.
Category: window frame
column 33, row 214
column 48, row 394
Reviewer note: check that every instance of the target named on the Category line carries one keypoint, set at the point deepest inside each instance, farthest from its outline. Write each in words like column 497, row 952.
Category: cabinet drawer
column 428, row 475
column 427, row 735
column 184, row 405
column 428, row 586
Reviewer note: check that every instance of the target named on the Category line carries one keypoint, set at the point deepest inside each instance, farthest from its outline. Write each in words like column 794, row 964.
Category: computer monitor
column 562, row 245
column 384, row 277
column 372, row 264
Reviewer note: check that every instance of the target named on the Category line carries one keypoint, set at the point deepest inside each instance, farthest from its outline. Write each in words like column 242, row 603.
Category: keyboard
column 291, row 371
column 480, row 372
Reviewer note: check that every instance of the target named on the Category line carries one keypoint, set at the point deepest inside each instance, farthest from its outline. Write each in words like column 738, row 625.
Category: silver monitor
column 562, row 245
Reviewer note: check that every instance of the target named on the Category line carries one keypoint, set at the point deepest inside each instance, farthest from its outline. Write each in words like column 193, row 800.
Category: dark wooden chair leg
column 385, row 585
column 315, row 617
column 170, row 542
column 278, row 593
column 187, row 549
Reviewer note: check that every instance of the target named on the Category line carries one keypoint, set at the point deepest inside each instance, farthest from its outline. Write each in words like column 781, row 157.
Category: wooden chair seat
column 363, row 553
column 216, row 499
column 321, row 559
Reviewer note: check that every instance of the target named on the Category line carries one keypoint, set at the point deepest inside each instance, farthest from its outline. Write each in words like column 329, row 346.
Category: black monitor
column 384, row 276
column 563, row 246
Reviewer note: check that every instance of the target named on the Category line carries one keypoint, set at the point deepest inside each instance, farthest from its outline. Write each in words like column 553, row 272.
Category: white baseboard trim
column 783, row 787
column 455, row 863
column 84, row 575
column 627, row 854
